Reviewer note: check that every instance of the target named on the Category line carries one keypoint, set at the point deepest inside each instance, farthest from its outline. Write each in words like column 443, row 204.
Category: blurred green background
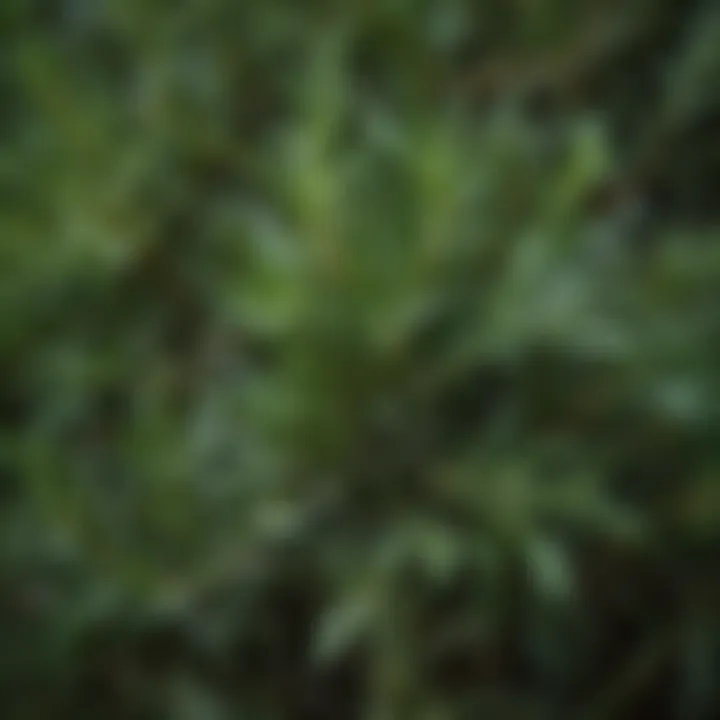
column 359, row 359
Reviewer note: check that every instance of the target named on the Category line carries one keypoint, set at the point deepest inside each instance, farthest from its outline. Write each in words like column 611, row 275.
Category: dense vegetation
column 359, row 359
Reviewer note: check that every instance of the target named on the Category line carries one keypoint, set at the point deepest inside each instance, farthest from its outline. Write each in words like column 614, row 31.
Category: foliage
column 359, row 360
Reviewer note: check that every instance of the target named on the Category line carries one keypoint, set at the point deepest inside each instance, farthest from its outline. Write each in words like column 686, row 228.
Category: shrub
column 360, row 360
